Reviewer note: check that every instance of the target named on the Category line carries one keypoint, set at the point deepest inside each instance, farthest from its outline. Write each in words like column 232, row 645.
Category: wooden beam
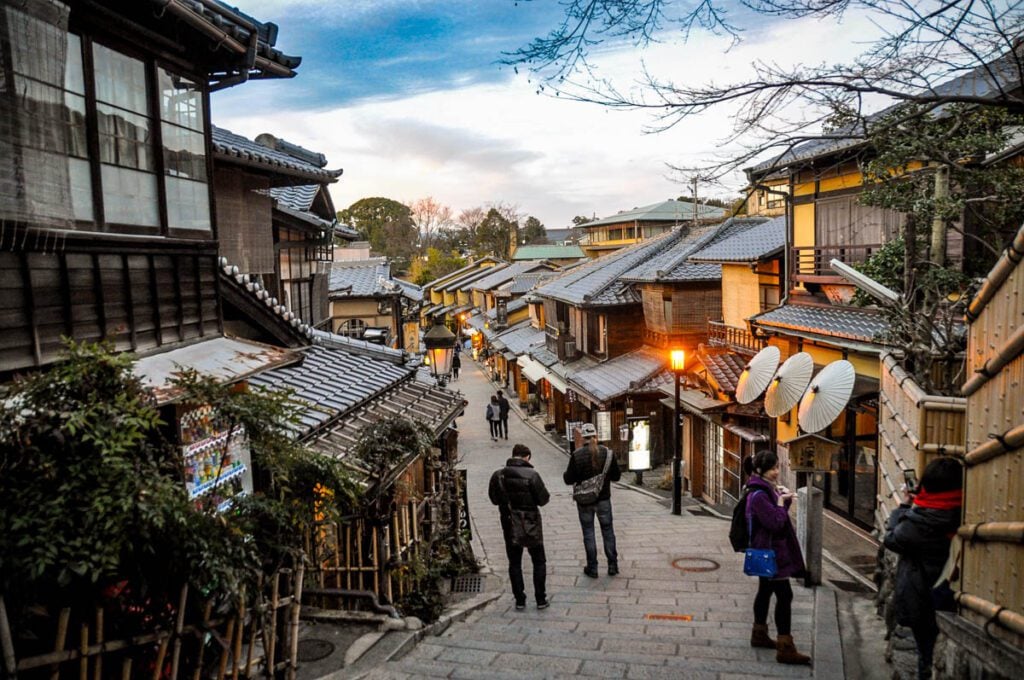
column 30, row 307
column 179, row 303
column 199, row 293
column 155, row 297
column 129, row 301
column 97, row 288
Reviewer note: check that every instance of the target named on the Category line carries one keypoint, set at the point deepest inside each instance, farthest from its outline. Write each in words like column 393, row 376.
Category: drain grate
column 695, row 565
column 313, row 649
column 469, row 583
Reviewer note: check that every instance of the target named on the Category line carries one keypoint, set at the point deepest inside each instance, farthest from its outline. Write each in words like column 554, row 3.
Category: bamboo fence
column 913, row 428
column 991, row 590
column 252, row 639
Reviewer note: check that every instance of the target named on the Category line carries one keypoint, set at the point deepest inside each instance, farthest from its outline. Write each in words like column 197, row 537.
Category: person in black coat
column 503, row 409
column 518, row 486
column 586, row 462
column 920, row 531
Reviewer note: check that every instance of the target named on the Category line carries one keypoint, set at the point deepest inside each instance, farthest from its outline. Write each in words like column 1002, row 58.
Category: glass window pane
column 129, row 196
column 188, row 204
column 74, row 112
column 181, row 101
column 184, row 152
column 81, row 188
column 125, row 138
column 74, row 80
column 120, row 80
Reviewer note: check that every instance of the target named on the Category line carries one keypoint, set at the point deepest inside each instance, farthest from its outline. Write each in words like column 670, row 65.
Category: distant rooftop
column 547, row 252
column 666, row 211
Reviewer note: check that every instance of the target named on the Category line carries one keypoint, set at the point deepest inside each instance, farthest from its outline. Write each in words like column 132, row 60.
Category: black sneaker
column 522, row 605
column 592, row 573
column 543, row 604
column 613, row 571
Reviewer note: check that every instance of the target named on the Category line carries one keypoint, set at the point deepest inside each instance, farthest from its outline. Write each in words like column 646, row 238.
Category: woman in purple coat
column 768, row 514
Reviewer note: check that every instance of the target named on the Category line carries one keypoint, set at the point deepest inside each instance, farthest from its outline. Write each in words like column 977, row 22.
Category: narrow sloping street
column 653, row 620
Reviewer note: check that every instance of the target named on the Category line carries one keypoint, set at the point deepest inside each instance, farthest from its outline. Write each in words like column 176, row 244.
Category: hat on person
column 588, row 430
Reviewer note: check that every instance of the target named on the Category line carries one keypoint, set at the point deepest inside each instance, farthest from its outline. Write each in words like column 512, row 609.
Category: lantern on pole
column 677, row 361
column 440, row 344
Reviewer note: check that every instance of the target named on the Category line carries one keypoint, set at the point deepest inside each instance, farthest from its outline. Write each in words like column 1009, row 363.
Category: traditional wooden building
column 556, row 254
column 368, row 303
column 440, row 297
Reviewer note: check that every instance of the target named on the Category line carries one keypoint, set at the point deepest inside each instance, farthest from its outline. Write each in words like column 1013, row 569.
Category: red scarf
column 941, row 500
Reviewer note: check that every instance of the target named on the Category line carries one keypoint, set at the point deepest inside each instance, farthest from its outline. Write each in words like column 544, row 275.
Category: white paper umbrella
column 757, row 374
column 827, row 396
column 789, row 384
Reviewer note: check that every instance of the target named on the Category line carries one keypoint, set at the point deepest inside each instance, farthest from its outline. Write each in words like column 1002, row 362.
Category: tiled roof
column 512, row 306
column 309, row 218
column 296, row 198
column 544, row 356
column 615, row 377
column 744, row 239
column 327, row 339
column 410, row 290
column 601, row 281
column 524, row 283
column 519, row 339
column 330, row 382
column 451, row 276
column 672, row 262
column 834, row 321
column 723, row 365
column 666, row 211
column 547, row 252
column 985, row 81
column 359, row 278
column 499, row 276
column 249, row 286
column 232, row 147
column 419, row 400
column 462, row 282
column 235, row 24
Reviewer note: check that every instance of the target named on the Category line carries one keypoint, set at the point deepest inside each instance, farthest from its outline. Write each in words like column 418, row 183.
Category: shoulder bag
column 587, row 491
column 757, row 561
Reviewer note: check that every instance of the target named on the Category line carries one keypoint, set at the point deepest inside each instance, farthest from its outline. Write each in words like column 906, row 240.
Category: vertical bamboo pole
column 272, row 633
column 161, row 655
column 229, row 635
column 179, row 623
column 98, row 664
column 296, row 610
column 62, row 635
column 236, row 655
column 6, row 641
column 198, row 673
column 348, row 556
column 126, row 669
column 83, row 650
column 252, row 629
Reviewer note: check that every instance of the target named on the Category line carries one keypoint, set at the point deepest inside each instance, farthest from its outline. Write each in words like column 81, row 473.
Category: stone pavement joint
column 596, row 628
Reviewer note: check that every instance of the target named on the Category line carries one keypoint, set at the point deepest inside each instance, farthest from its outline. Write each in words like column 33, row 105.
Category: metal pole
column 677, row 458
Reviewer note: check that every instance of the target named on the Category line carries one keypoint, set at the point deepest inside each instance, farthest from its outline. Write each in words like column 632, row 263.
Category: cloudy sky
column 408, row 98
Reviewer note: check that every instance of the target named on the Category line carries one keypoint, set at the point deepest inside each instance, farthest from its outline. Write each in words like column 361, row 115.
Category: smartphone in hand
column 910, row 478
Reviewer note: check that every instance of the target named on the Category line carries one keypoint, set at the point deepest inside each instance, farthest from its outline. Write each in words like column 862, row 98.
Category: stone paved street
column 603, row 628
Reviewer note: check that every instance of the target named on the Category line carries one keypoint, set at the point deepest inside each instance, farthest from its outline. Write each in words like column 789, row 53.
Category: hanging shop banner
column 639, row 443
column 604, row 426
column 465, row 527
column 217, row 461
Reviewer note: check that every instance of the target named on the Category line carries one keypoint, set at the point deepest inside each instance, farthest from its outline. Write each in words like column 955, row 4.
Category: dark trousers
column 495, row 428
column 925, row 635
column 503, row 429
column 766, row 587
column 603, row 510
column 515, row 570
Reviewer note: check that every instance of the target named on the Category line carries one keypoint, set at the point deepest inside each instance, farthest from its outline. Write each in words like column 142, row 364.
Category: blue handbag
column 756, row 561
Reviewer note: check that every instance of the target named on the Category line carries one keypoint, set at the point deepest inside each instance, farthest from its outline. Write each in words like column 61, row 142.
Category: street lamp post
column 440, row 344
column 678, row 362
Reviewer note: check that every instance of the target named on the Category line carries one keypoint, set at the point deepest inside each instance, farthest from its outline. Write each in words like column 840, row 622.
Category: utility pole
column 695, row 178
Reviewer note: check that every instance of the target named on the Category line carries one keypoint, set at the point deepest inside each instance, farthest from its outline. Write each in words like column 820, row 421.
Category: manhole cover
column 695, row 564
column 472, row 583
column 312, row 649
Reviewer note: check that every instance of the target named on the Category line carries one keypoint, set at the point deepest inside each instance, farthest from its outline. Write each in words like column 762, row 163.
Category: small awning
column 533, row 370
column 224, row 359
column 695, row 402
column 556, row 382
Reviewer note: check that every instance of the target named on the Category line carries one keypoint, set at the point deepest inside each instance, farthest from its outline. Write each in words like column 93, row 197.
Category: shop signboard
column 604, row 426
column 639, row 443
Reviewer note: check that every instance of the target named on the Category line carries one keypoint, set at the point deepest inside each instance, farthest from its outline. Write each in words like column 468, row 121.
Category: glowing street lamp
column 677, row 361
column 440, row 344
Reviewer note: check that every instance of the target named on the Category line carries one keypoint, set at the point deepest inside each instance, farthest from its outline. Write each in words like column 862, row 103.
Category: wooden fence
column 257, row 637
column 913, row 428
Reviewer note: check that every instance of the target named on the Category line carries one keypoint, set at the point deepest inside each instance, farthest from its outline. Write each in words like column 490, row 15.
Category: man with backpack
column 591, row 470
column 519, row 492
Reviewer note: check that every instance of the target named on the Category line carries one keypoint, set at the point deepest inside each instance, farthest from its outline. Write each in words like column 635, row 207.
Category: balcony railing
column 806, row 261
column 732, row 337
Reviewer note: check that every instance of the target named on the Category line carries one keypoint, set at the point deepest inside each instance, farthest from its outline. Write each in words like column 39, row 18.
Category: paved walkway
column 651, row 621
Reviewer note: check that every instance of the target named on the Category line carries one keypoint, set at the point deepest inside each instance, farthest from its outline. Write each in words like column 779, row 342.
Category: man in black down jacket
column 586, row 462
column 520, row 487
column 920, row 534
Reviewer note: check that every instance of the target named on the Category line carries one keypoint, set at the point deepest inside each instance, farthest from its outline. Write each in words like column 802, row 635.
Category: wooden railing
column 814, row 260
column 732, row 337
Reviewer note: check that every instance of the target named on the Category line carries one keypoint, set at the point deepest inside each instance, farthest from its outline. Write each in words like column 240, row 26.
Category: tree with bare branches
column 430, row 217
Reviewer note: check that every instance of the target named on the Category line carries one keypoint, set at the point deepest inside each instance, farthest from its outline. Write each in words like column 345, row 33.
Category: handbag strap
column 607, row 461
column 750, row 516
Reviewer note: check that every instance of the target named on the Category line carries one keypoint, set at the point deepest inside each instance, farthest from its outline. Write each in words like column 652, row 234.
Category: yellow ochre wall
column 740, row 295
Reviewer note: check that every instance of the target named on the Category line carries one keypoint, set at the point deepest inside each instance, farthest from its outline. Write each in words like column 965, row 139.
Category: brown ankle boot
column 787, row 652
column 759, row 637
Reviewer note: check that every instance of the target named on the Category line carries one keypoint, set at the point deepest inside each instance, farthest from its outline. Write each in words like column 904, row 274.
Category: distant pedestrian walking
column 503, row 409
column 920, row 531
column 767, row 511
column 493, row 414
column 587, row 462
column 456, row 365
column 519, row 492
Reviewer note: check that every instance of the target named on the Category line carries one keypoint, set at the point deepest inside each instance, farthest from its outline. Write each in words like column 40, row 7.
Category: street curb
column 849, row 571
column 828, row 648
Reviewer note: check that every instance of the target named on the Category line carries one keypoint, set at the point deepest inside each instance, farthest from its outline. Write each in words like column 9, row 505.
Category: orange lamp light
column 678, row 359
